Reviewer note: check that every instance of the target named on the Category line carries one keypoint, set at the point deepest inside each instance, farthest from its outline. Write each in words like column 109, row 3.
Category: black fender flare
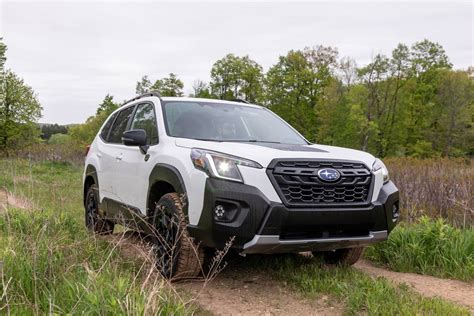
column 90, row 172
column 163, row 172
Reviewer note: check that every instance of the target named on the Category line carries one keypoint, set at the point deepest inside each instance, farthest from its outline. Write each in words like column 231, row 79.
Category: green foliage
column 234, row 77
column 108, row 105
column 19, row 109
column 59, row 138
column 201, row 90
column 19, row 112
column 295, row 86
column 84, row 133
column 52, row 265
column 170, row 86
column 360, row 293
column 49, row 129
column 429, row 247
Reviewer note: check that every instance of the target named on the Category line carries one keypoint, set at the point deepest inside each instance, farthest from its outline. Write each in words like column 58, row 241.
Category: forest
column 411, row 103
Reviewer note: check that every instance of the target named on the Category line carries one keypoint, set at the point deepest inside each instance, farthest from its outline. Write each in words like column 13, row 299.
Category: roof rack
column 241, row 101
column 147, row 94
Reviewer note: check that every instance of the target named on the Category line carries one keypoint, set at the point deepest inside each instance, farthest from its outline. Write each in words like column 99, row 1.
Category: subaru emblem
column 329, row 175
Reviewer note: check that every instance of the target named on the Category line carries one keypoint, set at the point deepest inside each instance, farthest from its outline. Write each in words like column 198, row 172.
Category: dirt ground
column 455, row 291
column 234, row 293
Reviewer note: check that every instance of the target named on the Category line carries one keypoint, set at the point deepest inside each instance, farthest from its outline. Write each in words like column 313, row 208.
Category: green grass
column 360, row 293
column 430, row 247
column 51, row 264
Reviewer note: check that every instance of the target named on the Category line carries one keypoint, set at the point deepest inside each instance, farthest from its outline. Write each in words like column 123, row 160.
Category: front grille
column 298, row 184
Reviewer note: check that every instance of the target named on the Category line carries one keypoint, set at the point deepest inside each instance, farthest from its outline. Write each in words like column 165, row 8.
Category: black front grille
column 298, row 184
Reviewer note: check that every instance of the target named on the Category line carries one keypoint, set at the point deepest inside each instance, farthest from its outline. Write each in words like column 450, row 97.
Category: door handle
column 119, row 157
column 99, row 155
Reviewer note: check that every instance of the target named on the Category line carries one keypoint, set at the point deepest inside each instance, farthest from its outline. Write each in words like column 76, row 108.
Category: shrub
column 439, row 188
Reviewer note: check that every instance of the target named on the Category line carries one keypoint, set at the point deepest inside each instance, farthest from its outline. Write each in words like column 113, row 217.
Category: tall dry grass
column 438, row 188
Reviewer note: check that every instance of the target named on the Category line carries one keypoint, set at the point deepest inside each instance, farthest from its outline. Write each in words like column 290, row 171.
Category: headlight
column 220, row 165
column 378, row 164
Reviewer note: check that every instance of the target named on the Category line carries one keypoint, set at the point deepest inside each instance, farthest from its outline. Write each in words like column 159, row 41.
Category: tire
column 342, row 257
column 93, row 219
column 178, row 257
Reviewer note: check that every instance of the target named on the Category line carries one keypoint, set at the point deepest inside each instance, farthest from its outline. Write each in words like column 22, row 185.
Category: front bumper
column 258, row 225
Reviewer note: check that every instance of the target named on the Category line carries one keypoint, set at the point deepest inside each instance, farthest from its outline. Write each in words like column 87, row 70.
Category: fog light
column 219, row 211
column 225, row 211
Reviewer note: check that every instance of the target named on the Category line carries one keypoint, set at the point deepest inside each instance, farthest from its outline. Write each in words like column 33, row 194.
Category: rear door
column 132, row 171
column 104, row 165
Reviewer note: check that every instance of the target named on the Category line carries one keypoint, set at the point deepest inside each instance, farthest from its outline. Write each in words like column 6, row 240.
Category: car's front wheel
column 344, row 257
column 94, row 222
column 178, row 257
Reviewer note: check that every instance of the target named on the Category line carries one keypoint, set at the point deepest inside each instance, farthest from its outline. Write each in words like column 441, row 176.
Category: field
column 51, row 264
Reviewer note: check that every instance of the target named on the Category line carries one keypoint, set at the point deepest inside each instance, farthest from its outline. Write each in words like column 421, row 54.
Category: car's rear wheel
column 178, row 257
column 344, row 257
column 94, row 222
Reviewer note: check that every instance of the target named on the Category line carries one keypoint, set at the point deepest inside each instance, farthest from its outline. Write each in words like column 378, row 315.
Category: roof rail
column 241, row 101
column 147, row 94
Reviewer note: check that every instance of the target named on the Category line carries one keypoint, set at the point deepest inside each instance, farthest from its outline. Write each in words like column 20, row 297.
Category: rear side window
column 120, row 125
column 104, row 134
column 145, row 119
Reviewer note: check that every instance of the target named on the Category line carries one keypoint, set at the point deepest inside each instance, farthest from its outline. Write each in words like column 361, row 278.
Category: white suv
column 198, row 173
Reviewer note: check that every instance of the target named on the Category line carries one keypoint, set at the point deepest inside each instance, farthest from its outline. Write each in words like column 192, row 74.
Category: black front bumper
column 259, row 226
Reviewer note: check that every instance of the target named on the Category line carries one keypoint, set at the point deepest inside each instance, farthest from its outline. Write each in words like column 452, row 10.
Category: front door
column 131, row 174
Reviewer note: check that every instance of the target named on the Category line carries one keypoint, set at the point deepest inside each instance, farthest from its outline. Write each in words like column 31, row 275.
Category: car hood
column 264, row 153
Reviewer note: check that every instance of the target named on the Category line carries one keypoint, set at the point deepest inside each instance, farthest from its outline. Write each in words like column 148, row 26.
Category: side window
column 105, row 131
column 145, row 119
column 120, row 125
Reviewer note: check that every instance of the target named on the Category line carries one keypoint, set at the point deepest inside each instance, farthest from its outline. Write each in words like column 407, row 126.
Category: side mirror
column 135, row 137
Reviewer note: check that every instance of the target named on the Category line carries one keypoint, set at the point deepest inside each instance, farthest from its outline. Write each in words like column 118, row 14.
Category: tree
column 108, row 105
column 170, row 86
column 454, row 128
column 47, row 130
column 295, row 86
column 85, row 133
column 143, row 86
column 19, row 113
column 59, row 138
column 201, row 90
column 234, row 77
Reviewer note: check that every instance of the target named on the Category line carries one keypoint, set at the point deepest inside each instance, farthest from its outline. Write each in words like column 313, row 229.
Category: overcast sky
column 73, row 54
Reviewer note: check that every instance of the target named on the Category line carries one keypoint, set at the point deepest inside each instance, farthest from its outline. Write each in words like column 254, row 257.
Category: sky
column 74, row 53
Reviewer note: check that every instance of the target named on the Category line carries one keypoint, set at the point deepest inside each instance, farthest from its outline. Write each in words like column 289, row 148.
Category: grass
column 428, row 247
column 438, row 188
column 360, row 293
column 51, row 264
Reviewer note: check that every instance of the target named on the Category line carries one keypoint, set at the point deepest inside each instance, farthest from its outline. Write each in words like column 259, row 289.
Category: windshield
column 227, row 123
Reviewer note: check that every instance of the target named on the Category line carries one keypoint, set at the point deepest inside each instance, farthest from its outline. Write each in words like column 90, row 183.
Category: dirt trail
column 236, row 292
column 241, row 291
column 455, row 291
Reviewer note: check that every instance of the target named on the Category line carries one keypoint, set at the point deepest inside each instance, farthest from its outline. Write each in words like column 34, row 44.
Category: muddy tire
column 93, row 220
column 178, row 257
column 343, row 257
